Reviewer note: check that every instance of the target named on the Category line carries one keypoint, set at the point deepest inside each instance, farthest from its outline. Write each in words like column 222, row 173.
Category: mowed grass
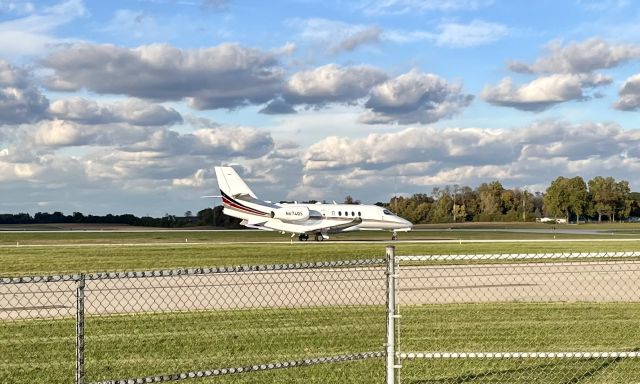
column 151, row 344
column 42, row 351
column 57, row 260
column 499, row 231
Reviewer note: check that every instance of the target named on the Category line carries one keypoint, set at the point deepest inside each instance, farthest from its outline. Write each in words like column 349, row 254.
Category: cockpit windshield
column 387, row 212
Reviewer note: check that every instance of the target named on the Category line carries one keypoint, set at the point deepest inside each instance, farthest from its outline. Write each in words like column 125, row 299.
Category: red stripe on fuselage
column 240, row 207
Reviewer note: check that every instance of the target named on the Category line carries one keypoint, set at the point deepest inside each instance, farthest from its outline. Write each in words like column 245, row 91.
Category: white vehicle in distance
column 318, row 219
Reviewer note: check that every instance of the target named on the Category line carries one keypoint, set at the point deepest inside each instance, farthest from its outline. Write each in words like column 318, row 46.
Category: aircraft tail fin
column 231, row 183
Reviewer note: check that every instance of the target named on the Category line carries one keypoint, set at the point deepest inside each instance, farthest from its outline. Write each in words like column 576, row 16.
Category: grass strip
column 150, row 344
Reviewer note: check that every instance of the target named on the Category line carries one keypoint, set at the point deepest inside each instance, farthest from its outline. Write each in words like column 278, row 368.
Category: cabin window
column 333, row 213
column 359, row 214
column 353, row 213
column 339, row 213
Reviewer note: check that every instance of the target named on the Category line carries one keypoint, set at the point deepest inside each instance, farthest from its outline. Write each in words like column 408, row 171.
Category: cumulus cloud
column 60, row 133
column 418, row 157
column 196, row 180
column 565, row 73
column 224, row 76
column 579, row 57
column 217, row 141
column 332, row 83
column 379, row 151
column 131, row 111
column 543, row 92
column 20, row 101
column 629, row 93
column 414, row 97
column 278, row 106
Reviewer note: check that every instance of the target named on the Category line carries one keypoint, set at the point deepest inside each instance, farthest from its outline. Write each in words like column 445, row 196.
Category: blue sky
column 125, row 106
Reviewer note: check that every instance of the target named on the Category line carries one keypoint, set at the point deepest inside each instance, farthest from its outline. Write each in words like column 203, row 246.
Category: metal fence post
column 80, row 329
column 391, row 313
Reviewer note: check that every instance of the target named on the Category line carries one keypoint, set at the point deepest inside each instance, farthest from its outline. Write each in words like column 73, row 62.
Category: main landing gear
column 305, row 237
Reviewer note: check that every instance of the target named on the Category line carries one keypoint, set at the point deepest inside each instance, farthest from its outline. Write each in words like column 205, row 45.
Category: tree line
column 601, row 198
column 205, row 217
column 573, row 199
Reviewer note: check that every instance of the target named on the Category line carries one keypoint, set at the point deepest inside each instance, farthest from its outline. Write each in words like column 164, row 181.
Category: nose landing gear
column 394, row 236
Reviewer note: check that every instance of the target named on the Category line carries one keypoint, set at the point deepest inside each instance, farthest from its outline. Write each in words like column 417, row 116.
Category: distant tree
column 610, row 198
column 635, row 204
column 490, row 199
column 623, row 203
column 350, row 200
column 206, row 217
column 565, row 196
column 188, row 214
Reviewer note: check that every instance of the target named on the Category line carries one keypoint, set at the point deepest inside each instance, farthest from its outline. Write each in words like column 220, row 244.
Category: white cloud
column 416, row 159
column 329, row 83
column 476, row 33
column 131, row 111
column 414, row 97
column 565, row 72
column 224, row 76
column 60, row 133
column 450, row 34
column 579, row 57
column 20, row 101
column 334, row 37
column 34, row 32
column 542, row 92
column 629, row 93
column 197, row 180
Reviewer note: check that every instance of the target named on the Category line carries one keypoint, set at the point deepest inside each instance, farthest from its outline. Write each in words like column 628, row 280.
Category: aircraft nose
column 404, row 223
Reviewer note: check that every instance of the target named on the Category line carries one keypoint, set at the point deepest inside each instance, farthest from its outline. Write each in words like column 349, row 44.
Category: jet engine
column 291, row 213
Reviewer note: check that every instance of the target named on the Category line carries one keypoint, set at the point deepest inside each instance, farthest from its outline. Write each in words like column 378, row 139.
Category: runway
column 594, row 281
column 319, row 243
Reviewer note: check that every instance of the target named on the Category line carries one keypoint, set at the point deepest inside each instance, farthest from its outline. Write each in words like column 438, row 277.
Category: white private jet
column 301, row 219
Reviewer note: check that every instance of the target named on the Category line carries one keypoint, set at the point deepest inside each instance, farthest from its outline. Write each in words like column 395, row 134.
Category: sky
column 126, row 106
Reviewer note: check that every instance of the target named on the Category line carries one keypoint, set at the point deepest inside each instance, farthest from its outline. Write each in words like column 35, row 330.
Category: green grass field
column 133, row 346
column 72, row 252
column 53, row 260
column 42, row 351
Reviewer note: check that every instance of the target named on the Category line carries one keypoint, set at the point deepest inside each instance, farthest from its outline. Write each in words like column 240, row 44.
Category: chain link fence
column 520, row 318
column 224, row 324
column 532, row 318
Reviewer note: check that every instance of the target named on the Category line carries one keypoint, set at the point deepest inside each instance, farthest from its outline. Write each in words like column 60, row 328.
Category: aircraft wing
column 255, row 225
column 342, row 227
column 302, row 228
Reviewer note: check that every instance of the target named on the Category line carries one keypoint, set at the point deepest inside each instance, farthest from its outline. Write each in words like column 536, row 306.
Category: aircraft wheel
column 319, row 237
column 303, row 237
column 394, row 237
